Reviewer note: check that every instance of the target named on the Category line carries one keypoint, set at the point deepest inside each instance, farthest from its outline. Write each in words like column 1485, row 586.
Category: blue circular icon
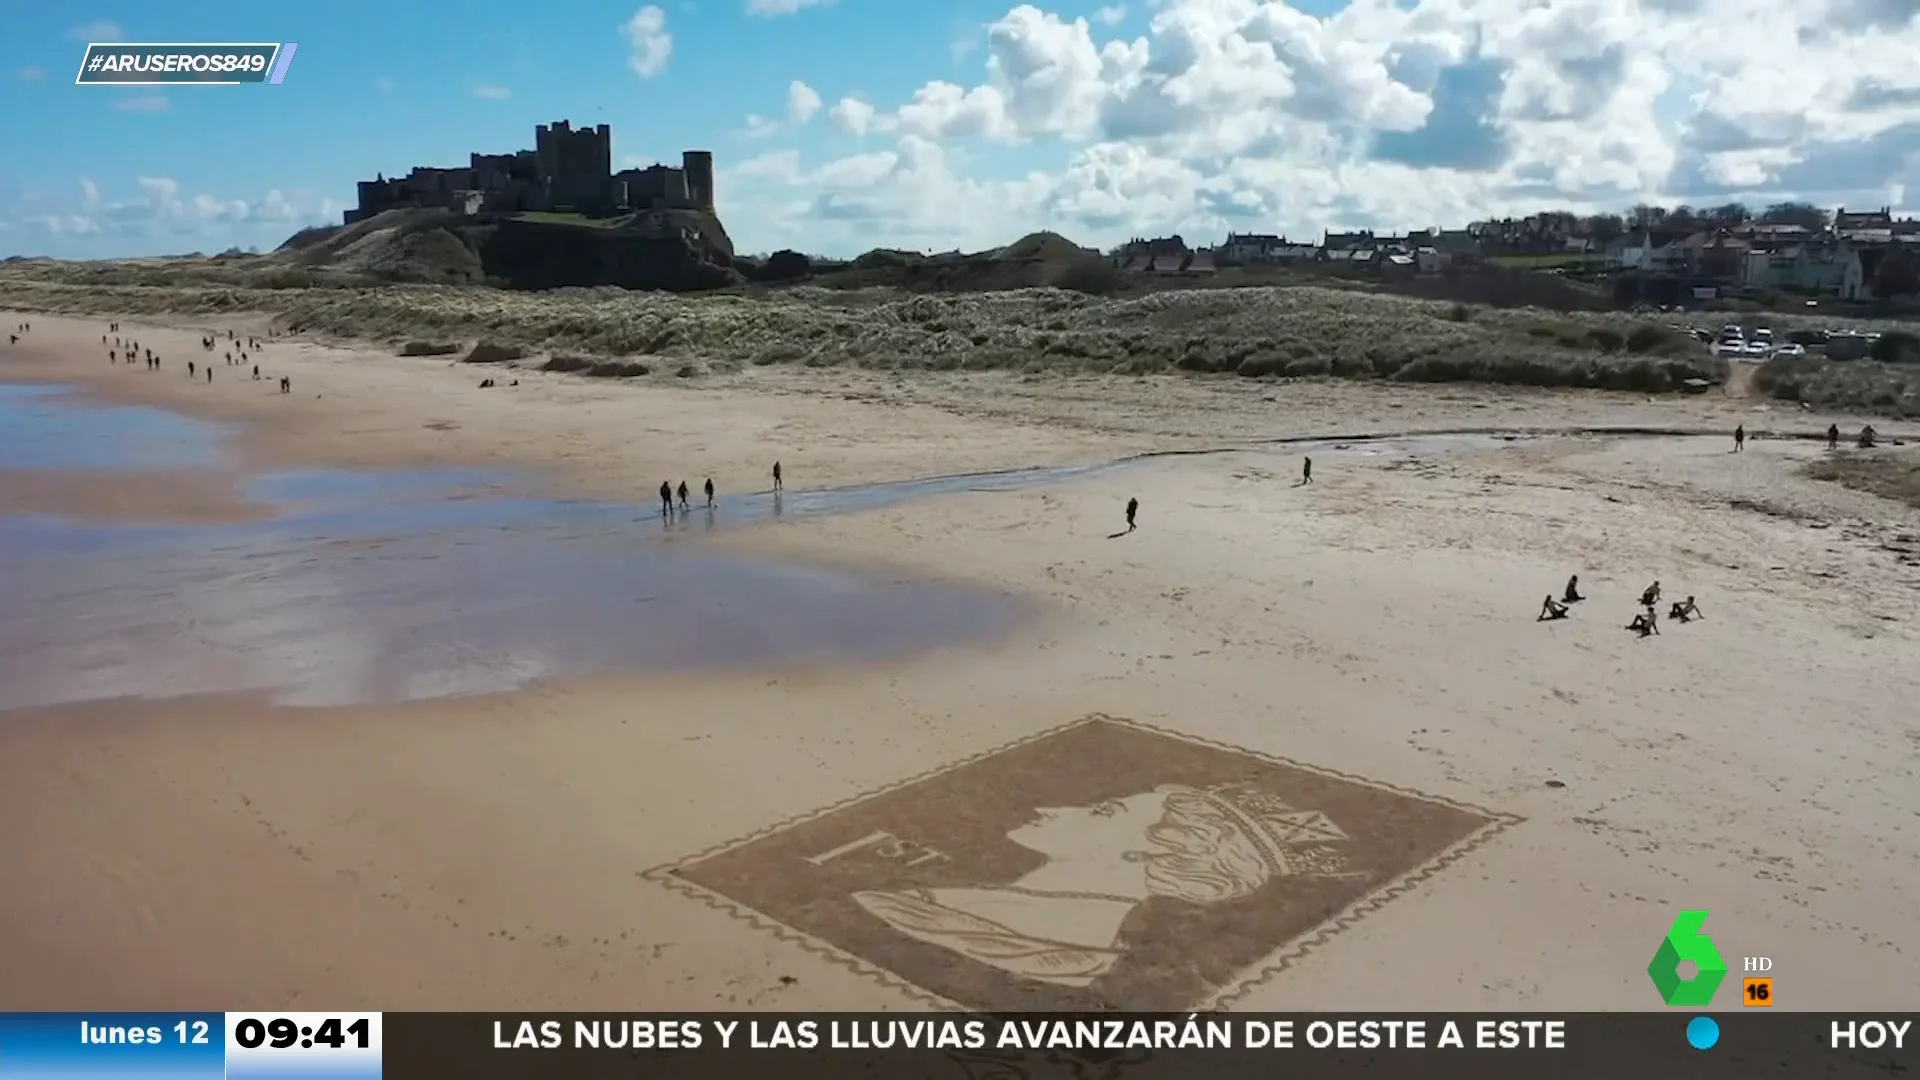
column 1703, row 1032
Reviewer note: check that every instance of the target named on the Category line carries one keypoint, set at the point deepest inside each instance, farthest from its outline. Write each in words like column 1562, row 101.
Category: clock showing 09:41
column 293, row 1036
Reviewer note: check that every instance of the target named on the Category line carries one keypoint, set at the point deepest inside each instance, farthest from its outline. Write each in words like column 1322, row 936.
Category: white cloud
column 782, row 7
column 852, row 115
column 1204, row 116
column 1253, row 115
column 98, row 30
column 802, row 101
column 649, row 44
column 383, row 84
column 159, row 210
column 143, row 103
column 492, row 93
column 759, row 127
column 31, row 74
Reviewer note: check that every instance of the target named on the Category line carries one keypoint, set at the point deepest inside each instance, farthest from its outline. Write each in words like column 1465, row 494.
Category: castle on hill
column 568, row 170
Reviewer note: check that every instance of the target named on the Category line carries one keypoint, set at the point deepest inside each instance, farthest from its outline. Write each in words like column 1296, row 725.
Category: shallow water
column 44, row 427
column 396, row 585
column 381, row 586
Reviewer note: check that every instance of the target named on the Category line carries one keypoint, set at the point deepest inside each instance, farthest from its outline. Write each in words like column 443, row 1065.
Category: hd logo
column 1684, row 941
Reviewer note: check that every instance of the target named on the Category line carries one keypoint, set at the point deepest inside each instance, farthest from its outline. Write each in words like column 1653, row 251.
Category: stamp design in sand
column 1104, row 865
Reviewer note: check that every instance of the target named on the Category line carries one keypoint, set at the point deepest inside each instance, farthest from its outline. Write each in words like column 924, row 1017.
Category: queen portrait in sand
column 1061, row 924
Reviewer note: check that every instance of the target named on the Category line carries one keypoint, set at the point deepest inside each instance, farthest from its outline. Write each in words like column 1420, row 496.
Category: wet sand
column 1510, row 813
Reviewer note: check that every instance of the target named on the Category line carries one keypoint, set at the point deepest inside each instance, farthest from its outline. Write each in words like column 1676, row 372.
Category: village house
column 1255, row 248
column 1649, row 250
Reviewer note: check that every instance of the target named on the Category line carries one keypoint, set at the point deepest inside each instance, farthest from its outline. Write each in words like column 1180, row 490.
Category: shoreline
column 1364, row 639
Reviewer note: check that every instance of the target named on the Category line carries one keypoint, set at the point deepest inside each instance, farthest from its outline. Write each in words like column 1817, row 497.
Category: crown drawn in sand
column 1279, row 830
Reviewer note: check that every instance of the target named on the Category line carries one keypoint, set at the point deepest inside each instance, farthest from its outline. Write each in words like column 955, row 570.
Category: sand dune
column 1440, row 802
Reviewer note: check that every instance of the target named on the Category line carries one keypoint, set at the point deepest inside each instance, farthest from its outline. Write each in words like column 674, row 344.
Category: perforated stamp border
column 1226, row 997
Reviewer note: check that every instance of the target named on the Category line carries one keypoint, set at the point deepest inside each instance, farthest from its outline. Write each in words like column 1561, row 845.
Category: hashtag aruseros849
column 137, row 64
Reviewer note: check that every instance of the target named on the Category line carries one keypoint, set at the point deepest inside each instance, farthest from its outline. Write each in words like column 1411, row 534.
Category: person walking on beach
column 666, row 499
column 709, row 492
column 1739, row 438
column 1133, row 508
column 189, row 369
column 683, row 495
column 776, row 476
column 1833, row 436
column 1306, row 470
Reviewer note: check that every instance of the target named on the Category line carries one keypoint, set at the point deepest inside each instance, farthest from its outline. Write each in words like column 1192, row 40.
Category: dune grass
column 1889, row 472
column 1253, row 332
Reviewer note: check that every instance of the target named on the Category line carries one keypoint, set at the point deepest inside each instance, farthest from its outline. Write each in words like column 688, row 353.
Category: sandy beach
column 1285, row 746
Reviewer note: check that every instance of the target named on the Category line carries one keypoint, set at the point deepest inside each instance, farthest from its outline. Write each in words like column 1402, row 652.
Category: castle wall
column 651, row 188
column 568, row 169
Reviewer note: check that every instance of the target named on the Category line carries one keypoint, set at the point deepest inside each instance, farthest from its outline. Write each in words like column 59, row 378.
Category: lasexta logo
column 1685, row 942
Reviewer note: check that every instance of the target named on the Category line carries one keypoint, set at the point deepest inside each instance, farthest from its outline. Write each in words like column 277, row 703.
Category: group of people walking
column 236, row 355
column 678, row 500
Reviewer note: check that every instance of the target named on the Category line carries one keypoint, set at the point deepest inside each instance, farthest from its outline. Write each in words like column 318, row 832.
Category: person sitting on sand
column 666, row 499
column 1685, row 610
column 1651, row 596
column 1644, row 623
column 1572, row 595
column 1551, row 609
column 1867, row 437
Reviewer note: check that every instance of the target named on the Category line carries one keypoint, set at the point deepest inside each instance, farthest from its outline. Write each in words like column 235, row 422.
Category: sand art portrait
column 1102, row 865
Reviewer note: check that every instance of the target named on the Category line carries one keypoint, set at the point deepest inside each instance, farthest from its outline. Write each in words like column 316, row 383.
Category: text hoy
column 1869, row 1034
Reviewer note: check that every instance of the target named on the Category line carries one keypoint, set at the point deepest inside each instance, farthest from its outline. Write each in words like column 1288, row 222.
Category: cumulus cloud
column 1255, row 115
column 157, row 208
column 851, row 115
column 802, row 101
column 649, row 44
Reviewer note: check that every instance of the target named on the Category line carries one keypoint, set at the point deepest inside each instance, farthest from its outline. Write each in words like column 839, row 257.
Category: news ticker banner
column 1109, row 1046
column 200, row 63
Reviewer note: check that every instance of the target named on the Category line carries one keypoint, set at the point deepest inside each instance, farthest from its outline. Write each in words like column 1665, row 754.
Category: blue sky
column 378, row 86
column 840, row 125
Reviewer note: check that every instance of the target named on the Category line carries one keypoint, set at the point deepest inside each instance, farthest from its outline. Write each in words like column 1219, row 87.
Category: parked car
column 1790, row 349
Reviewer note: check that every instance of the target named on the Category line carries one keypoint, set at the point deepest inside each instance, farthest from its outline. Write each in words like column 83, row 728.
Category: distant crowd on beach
column 239, row 352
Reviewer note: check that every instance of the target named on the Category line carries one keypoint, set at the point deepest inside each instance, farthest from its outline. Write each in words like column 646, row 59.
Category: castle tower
column 575, row 167
column 698, row 165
